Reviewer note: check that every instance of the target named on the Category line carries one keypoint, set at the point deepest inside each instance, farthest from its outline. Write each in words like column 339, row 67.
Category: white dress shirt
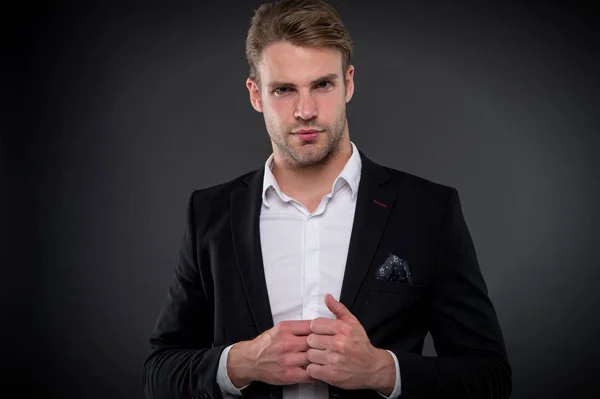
column 304, row 257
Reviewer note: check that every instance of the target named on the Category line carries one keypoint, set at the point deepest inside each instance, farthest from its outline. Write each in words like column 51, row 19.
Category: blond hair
column 307, row 23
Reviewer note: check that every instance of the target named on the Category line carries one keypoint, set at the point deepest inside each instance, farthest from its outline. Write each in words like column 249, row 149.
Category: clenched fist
column 277, row 356
column 341, row 354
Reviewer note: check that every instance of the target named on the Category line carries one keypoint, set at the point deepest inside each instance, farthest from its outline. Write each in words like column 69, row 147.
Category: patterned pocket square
column 394, row 269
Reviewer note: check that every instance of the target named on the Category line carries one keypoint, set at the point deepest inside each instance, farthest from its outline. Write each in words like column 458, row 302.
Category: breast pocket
column 389, row 308
column 394, row 287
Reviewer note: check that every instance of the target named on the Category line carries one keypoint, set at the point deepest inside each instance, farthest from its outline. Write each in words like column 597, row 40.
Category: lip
column 307, row 135
column 307, row 131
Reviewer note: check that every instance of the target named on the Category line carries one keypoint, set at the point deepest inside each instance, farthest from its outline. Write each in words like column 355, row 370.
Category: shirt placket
column 310, row 290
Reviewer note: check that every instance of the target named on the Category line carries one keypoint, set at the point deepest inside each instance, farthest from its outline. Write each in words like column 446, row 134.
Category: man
column 320, row 274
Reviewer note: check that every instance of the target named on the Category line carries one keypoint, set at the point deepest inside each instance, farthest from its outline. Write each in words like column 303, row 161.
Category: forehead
column 283, row 61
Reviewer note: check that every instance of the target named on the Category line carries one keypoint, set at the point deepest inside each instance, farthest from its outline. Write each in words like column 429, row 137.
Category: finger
column 340, row 311
column 319, row 372
column 295, row 327
column 299, row 359
column 296, row 344
column 318, row 341
column 299, row 375
column 317, row 356
column 325, row 326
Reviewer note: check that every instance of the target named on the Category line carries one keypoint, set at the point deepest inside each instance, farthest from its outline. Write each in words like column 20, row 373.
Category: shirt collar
column 349, row 175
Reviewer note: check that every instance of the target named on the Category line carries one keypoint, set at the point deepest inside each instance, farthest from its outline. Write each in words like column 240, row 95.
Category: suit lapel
column 245, row 218
column 373, row 206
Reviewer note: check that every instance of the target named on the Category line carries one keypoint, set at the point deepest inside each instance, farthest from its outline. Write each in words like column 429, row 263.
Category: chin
column 311, row 158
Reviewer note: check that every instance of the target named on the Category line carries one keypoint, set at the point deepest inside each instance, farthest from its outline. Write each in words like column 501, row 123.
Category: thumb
column 340, row 311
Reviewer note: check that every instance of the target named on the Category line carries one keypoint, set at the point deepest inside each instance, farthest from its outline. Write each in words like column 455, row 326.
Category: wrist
column 384, row 376
column 239, row 365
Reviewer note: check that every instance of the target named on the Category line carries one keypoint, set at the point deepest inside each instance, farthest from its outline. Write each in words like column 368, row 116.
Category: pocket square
column 394, row 269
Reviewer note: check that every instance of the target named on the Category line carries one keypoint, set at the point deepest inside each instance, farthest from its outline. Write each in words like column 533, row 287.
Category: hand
column 341, row 354
column 277, row 356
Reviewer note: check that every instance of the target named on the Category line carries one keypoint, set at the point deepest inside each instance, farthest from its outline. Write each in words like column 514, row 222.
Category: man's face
column 303, row 95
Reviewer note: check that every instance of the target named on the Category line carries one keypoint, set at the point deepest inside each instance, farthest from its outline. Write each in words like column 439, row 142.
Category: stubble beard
column 301, row 157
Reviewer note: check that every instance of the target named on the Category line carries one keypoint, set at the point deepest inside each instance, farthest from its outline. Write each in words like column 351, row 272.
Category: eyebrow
column 331, row 76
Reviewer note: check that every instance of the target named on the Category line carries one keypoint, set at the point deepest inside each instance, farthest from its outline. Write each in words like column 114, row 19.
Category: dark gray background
column 114, row 113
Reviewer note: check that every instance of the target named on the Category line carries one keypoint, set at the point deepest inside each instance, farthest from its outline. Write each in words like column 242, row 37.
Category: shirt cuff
column 227, row 388
column 396, row 392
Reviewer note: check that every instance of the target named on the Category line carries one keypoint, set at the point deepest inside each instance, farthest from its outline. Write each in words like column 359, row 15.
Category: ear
column 349, row 80
column 254, row 91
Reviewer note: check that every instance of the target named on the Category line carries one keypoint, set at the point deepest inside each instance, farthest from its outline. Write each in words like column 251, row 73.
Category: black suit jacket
column 218, row 295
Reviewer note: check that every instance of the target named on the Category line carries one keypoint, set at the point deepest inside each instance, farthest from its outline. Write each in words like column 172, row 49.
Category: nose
column 306, row 108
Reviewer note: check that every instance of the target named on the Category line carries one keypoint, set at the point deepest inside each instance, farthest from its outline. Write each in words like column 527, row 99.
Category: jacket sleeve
column 183, row 363
column 471, row 357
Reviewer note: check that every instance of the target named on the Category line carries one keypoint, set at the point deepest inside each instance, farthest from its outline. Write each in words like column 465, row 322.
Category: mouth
column 307, row 134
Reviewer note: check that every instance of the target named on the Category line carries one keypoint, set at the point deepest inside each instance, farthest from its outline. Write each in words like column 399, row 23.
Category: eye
column 325, row 84
column 282, row 90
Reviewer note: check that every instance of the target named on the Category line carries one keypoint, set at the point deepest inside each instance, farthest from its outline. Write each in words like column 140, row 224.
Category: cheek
column 280, row 111
column 281, row 107
column 328, row 106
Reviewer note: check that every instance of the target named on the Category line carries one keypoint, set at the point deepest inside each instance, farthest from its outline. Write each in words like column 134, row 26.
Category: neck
column 314, row 181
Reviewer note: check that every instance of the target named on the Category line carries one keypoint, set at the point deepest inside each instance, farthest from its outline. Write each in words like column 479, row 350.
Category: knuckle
column 333, row 375
column 337, row 346
column 333, row 360
column 280, row 347
column 286, row 325
column 346, row 329
column 288, row 375
column 284, row 345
